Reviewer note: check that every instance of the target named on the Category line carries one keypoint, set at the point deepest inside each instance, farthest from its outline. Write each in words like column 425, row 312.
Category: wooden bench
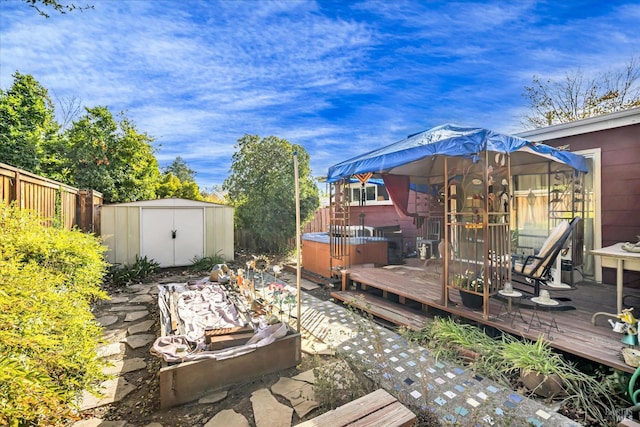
column 628, row 423
column 383, row 308
column 378, row 408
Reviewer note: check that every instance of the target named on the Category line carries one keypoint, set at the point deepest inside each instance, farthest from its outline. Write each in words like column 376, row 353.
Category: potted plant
column 467, row 342
column 541, row 369
column 471, row 289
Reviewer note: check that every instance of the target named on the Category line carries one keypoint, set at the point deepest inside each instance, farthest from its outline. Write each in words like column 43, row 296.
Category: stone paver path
column 455, row 394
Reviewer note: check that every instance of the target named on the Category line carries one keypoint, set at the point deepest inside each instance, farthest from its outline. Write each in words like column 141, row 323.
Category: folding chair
column 534, row 270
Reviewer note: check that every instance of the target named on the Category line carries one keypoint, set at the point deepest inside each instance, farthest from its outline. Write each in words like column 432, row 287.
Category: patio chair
column 534, row 270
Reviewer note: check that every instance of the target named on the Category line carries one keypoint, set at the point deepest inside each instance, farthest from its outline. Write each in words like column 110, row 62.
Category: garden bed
column 216, row 363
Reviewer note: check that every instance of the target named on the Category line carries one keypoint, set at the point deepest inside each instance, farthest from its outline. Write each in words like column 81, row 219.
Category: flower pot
column 471, row 300
column 542, row 385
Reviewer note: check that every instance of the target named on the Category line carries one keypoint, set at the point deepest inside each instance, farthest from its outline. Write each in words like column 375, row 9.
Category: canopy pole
column 449, row 222
column 298, row 261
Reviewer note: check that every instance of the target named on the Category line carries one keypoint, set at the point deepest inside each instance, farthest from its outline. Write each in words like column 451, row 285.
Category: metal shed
column 171, row 231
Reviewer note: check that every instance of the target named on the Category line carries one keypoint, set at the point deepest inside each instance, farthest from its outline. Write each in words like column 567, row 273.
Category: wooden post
column 298, row 260
column 17, row 195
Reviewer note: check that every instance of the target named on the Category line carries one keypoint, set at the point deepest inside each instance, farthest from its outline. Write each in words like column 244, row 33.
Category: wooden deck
column 405, row 294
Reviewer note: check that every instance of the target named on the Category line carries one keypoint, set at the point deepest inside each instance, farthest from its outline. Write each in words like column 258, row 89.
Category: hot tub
column 362, row 250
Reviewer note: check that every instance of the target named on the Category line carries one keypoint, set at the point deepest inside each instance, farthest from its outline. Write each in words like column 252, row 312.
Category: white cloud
column 339, row 78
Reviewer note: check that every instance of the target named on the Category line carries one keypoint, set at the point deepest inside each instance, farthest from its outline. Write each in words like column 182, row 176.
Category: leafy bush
column 206, row 263
column 138, row 272
column 48, row 335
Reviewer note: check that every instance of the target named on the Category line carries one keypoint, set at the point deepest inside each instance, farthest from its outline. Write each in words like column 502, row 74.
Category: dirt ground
column 142, row 406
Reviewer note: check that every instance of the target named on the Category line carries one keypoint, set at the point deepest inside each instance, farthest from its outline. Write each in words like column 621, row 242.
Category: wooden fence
column 320, row 222
column 56, row 202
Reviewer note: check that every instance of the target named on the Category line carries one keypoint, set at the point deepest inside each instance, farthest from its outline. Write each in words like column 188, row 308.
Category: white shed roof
column 170, row 203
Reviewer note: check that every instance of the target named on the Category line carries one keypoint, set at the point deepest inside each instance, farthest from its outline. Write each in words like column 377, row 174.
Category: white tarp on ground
column 201, row 306
column 176, row 348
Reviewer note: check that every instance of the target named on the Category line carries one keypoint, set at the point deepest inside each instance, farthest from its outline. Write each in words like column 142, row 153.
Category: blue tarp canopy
column 421, row 155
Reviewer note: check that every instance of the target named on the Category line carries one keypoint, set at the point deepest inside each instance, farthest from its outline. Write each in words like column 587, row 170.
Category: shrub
column 138, row 272
column 206, row 263
column 48, row 335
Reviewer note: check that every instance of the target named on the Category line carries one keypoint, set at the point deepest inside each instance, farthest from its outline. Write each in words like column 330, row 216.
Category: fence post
column 16, row 191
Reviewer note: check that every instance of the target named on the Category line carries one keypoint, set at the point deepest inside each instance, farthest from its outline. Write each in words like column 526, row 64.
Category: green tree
column 181, row 170
column 171, row 186
column 111, row 157
column 190, row 190
column 56, row 5
column 261, row 187
column 28, row 129
column 577, row 96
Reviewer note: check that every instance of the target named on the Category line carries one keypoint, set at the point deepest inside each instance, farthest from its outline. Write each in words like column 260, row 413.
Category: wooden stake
column 298, row 258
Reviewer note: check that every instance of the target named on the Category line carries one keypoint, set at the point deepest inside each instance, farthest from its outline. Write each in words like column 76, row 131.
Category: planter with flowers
column 471, row 290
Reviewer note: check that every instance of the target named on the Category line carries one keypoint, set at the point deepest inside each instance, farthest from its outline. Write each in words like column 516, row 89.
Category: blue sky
column 338, row 77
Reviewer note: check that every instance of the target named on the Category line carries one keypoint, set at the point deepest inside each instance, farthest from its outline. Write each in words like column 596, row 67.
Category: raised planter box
column 188, row 381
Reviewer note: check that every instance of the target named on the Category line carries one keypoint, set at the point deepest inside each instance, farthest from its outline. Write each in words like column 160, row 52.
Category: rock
column 299, row 393
column 107, row 320
column 118, row 300
column 110, row 349
column 112, row 391
column 306, row 376
column 130, row 317
column 137, row 341
column 121, row 307
column 114, row 335
column 268, row 412
column 140, row 327
column 143, row 299
column 214, row 397
column 226, row 418
column 123, row 366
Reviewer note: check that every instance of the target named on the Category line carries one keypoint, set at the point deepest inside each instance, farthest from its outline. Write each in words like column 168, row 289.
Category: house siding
column 620, row 157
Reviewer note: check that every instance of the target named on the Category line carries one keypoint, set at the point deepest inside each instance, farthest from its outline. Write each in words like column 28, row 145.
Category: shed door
column 172, row 237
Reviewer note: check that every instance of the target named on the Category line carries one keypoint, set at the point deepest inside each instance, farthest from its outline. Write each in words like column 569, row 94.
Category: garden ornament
column 619, row 327
column 631, row 331
column 423, row 251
